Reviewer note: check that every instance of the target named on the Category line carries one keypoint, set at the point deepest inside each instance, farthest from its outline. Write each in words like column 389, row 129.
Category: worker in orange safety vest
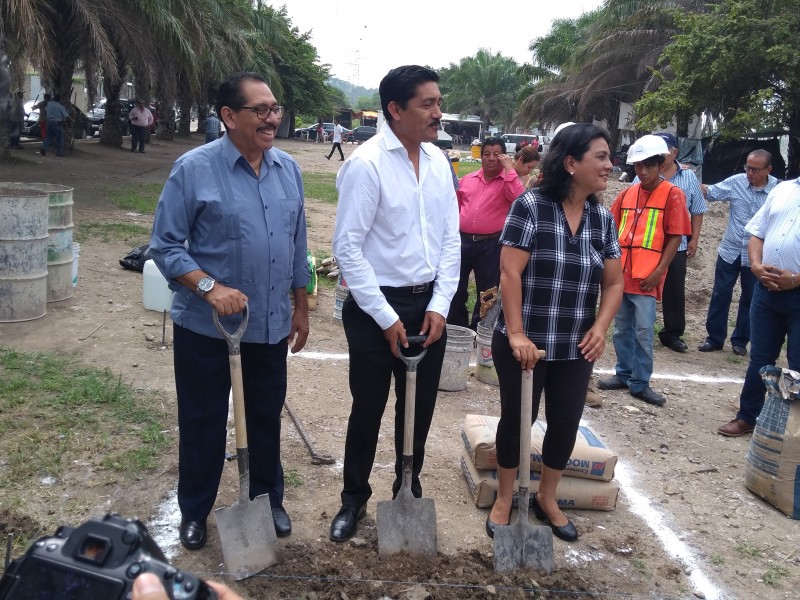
column 651, row 217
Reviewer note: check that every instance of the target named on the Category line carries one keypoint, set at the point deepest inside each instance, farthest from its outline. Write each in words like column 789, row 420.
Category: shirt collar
column 394, row 143
column 232, row 154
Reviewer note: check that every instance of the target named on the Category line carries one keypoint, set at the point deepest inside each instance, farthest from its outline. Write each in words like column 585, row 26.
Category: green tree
column 486, row 85
column 738, row 64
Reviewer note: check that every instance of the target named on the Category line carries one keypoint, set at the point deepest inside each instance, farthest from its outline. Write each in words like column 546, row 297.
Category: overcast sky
column 362, row 41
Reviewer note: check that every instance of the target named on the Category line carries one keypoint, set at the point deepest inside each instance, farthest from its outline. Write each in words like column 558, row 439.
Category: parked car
column 98, row 114
column 310, row 132
column 362, row 133
column 512, row 139
column 81, row 126
column 445, row 140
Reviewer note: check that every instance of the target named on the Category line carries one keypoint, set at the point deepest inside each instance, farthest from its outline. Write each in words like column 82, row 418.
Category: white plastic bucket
column 484, row 364
column 155, row 289
column 455, row 368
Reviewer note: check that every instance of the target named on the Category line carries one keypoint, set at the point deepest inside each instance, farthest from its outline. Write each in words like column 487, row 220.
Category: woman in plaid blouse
column 560, row 252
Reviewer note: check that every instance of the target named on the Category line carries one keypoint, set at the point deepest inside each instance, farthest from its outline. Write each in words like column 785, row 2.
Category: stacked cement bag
column 588, row 478
column 773, row 459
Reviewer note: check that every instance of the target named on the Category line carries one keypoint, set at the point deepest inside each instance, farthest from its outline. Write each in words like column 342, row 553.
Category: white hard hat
column 645, row 147
column 562, row 126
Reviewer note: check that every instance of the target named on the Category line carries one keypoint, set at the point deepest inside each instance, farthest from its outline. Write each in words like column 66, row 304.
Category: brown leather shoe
column 735, row 428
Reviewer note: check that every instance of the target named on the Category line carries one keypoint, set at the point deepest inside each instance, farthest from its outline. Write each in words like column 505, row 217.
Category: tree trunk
column 111, row 133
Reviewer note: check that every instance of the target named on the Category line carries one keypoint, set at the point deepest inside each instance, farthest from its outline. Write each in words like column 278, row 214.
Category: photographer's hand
column 148, row 587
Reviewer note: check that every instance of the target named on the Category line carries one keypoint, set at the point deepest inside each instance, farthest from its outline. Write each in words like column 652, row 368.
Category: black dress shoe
column 283, row 524
column 490, row 525
column 345, row 523
column 193, row 534
column 612, row 383
column 708, row 347
column 675, row 344
column 567, row 532
column 740, row 350
column 650, row 396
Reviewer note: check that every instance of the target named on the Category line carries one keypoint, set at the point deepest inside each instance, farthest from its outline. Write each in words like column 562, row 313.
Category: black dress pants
column 336, row 146
column 483, row 257
column 371, row 368
column 203, row 384
column 673, row 301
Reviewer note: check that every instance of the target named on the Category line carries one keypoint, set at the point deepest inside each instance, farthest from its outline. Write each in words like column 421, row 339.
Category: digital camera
column 96, row 561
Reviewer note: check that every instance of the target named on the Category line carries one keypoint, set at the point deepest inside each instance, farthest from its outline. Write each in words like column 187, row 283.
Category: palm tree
column 486, row 85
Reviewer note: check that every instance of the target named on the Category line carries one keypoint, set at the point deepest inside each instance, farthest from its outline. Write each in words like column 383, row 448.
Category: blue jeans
column 633, row 340
column 725, row 275
column 54, row 133
column 775, row 317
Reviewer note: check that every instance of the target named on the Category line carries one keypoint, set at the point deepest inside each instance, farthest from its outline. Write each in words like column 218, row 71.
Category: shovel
column 521, row 545
column 246, row 530
column 408, row 524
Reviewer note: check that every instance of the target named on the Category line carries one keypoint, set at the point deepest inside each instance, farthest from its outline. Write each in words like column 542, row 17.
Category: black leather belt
column 420, row 288
column 476, row 237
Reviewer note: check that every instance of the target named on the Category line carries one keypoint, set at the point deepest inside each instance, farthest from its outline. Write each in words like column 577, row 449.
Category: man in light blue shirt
column 746, row 193
column 230, row 232
column 56, row 115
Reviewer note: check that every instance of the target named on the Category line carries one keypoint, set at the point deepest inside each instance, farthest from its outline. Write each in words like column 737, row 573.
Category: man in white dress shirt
column 397, row 244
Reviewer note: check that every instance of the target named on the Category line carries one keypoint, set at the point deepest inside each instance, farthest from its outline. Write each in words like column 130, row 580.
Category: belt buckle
column 419, row 288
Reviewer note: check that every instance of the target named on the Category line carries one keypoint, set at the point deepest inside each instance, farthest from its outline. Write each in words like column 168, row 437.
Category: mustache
column 436, row 123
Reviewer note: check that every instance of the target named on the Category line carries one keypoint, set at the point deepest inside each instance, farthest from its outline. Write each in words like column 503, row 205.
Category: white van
column 512, row 139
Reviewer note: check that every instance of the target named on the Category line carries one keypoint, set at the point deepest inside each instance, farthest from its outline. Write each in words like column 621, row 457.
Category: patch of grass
column 748, row 549
column 465, row 168
column 321, row 186
column 54, row 412
column 292, row 478
column 113, row 232
column 774, row 574
column 640, row 566
column 717, row 560
column 141, row 197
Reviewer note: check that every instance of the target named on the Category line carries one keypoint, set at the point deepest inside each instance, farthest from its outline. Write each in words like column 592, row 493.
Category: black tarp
column 723, row 159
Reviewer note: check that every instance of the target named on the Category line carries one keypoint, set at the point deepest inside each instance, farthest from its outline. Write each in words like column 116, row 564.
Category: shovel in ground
column 246, row 530
column 521, row 545
column 408, row 524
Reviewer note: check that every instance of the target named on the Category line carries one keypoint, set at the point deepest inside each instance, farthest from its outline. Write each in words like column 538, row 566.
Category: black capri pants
column 564, row 383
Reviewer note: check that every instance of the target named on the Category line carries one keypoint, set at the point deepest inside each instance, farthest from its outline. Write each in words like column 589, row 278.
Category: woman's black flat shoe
column 567, row 532
column 490, row 525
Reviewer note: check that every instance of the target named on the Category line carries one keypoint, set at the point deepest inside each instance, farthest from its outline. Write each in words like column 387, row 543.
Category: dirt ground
column 684, row 526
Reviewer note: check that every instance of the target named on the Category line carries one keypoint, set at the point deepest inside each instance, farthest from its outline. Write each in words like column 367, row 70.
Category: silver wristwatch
column 205, row 285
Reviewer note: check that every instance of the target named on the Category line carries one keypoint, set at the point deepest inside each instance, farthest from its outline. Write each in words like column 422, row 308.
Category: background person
column 56, row 115
column 212, row 126
column 238, row 202
column 774, row 251
column 41, row 107
column 402, row 272
column 337, row 140
column 651, row 217
column 559, row 252
column 141, row 118
column 484, row 198
column 746, row 193
column 526, row 159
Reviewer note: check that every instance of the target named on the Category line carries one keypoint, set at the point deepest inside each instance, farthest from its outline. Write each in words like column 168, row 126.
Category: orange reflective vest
column 641, row 229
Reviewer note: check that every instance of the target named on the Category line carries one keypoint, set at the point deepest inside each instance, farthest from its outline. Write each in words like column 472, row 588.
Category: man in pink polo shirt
column 484, row 198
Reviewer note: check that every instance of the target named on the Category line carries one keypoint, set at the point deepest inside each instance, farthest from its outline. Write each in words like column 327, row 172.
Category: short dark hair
column 230, row 90
column 765, row 154
column 571, row 141
column 652, row 161
column 493, row 141
column 400, row 85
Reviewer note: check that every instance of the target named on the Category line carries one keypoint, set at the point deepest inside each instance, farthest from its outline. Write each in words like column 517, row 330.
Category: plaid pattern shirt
column 561, row 284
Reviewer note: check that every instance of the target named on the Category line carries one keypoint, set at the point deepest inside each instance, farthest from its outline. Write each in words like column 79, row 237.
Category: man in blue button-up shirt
column 230, row 231
column 746, row 193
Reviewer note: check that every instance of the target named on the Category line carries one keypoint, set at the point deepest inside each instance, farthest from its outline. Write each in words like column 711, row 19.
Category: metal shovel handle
column 234, row 339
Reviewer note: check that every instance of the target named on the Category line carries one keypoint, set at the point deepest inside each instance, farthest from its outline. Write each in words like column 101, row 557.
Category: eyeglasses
column 754, row 170
column 262, row 112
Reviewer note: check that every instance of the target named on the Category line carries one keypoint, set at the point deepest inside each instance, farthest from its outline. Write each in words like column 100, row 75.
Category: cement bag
column 590, row 459
column 773, row 459
column 572, row 492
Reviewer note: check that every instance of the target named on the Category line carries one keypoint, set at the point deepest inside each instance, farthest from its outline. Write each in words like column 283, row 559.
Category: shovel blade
column 247, row 534
column 522, row 546
column 407, row 524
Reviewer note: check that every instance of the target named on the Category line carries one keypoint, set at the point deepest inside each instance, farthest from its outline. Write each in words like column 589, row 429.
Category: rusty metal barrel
column 23, row 253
